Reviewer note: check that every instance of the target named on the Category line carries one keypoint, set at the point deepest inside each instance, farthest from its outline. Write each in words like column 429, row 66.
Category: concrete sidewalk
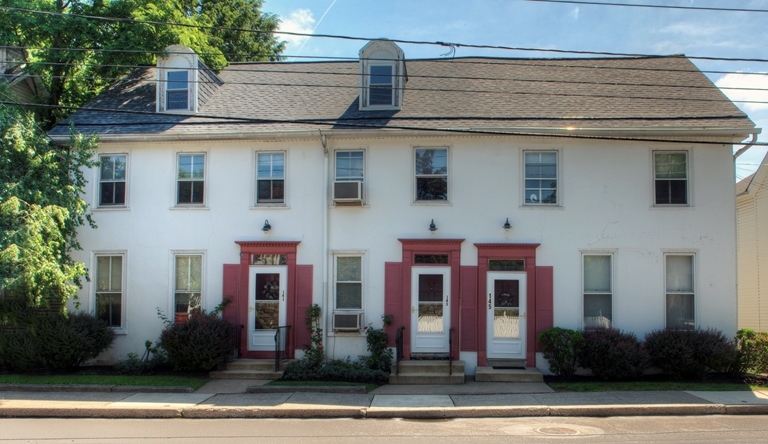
column 230, row 399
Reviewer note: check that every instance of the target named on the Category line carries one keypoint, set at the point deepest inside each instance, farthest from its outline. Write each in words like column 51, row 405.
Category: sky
column 542, row 25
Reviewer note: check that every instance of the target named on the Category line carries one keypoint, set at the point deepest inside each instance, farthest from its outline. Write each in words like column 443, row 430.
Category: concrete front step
column 427, row 372
column 506, row 363
column 251, row 369
column 438, row 366
column 489, row 374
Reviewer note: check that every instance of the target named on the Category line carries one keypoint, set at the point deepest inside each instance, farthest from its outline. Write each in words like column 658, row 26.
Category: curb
column 355, row 389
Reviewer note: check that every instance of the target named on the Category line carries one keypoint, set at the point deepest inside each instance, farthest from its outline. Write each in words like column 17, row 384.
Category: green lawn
column 598, row 386
column 195, row 382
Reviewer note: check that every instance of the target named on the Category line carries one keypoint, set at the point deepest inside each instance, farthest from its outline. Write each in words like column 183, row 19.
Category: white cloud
column 692, row 29
column 300, row 20
column 751, row 83
column 575, row 13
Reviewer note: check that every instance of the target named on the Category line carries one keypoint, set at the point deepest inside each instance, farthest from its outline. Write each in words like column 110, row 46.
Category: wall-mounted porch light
column 507, row 225
column 432, row 226
column 266, row 226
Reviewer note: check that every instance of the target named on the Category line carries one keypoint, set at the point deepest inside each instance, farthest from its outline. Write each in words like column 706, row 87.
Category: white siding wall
column 752, row 212
column 605, row 188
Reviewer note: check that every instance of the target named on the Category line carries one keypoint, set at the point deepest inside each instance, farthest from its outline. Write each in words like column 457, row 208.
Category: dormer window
column 381, row 85
column 382, row 76
column 177, row 90
column 178, row 74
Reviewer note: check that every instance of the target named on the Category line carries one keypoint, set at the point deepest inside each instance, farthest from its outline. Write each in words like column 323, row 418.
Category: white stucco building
column 476, row 200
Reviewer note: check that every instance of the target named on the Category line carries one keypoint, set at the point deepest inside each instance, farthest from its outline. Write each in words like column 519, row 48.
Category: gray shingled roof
column 643, row 92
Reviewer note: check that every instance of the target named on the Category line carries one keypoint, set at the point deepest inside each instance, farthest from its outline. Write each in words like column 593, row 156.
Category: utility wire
column 439, row 77
column 351, row 123
column 642, row 5
column 463, row 91
column 346, row 37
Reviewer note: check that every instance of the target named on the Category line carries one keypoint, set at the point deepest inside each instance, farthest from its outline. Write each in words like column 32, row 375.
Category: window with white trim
column 431, row 174
column 188, row 285
column 541, row 178
column 177, row 90
column 680, row 292
column 598, row 291
column 348, row 282
column 109, row 295
column 112, row 179
column 381, row 85
column 670, row 173
column 190, row 179
column 270, row 178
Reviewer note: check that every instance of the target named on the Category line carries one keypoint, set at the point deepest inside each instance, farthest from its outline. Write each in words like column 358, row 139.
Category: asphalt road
column 664, row 429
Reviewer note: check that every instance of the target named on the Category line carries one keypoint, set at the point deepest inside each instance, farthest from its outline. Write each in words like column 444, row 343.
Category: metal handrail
column 399, row 348
column 281, row 344
column 450, row 351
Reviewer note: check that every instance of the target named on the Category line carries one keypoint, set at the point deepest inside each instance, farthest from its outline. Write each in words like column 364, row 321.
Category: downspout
column 326, row 301
column 736, row 221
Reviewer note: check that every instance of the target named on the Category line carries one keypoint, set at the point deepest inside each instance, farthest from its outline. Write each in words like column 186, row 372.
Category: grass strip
column 599, row 386
column 122, row 380
column 368, row 387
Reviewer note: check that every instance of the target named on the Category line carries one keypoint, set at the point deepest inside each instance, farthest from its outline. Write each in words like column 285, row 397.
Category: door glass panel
column 506, row 312
column 267, row 301
column 430, row 303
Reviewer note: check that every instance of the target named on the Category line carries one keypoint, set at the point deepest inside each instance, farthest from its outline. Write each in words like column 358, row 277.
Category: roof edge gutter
column 394, row 132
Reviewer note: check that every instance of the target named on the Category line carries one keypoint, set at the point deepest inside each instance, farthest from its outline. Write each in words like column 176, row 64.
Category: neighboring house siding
column 752, row 217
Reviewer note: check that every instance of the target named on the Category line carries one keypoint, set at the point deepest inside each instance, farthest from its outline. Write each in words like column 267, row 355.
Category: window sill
column 541, row 207
column 670, row 207
column 120, row 331
column 432, row 203
column 112, row 208
column 353, row 334
column 190, row 207
column 275, row 206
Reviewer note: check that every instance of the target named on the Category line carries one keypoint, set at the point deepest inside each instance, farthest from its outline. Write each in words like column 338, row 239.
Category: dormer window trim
column 179, row 59
column 376, row 80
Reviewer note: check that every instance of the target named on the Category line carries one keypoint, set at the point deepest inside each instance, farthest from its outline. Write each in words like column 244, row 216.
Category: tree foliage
column 78, row 56
column 40, row 210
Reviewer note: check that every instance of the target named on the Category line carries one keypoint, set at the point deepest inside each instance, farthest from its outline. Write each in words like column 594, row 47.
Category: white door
column 506, row 315
column 430, row 309
column 266, row 305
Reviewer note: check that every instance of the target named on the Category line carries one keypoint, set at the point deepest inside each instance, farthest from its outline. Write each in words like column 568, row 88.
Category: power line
column 346, row 37
column 641, row 5
column 467, row 91
column 351, row 123
column 441, row 77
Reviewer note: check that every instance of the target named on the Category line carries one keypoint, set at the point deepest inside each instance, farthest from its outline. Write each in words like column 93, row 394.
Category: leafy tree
column 78, row 56
column 40, row 210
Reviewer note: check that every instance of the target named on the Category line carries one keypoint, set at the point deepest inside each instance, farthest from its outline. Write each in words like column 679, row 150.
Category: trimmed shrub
column 612, row 354
column 199, row 343
column 753, row 351
column 381, row 355
column 561, row 348
column 54, row 343
column 336, row 370
column 691, row 354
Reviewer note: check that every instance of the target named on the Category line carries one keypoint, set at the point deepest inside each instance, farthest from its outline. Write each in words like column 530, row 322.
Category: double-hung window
column 270, row 178
column 598, row 291
column 190, row 183
column 177, row 90
column 541, row 178
column 188, row 285
column 670, row 173
column 381, row 85
column 431, row 174
column 349, row 282
column 680, row 291
column 109, row 289
column 112, row 172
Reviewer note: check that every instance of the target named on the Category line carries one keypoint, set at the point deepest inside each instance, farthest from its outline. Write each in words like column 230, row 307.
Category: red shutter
column 299, row 329
column 230, row 290
column 468, row 325
column 544, row 300
column 393, row 297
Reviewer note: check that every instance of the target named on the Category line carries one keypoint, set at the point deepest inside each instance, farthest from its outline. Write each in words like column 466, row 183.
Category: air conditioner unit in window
column 347, row 321
column 348, row 191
